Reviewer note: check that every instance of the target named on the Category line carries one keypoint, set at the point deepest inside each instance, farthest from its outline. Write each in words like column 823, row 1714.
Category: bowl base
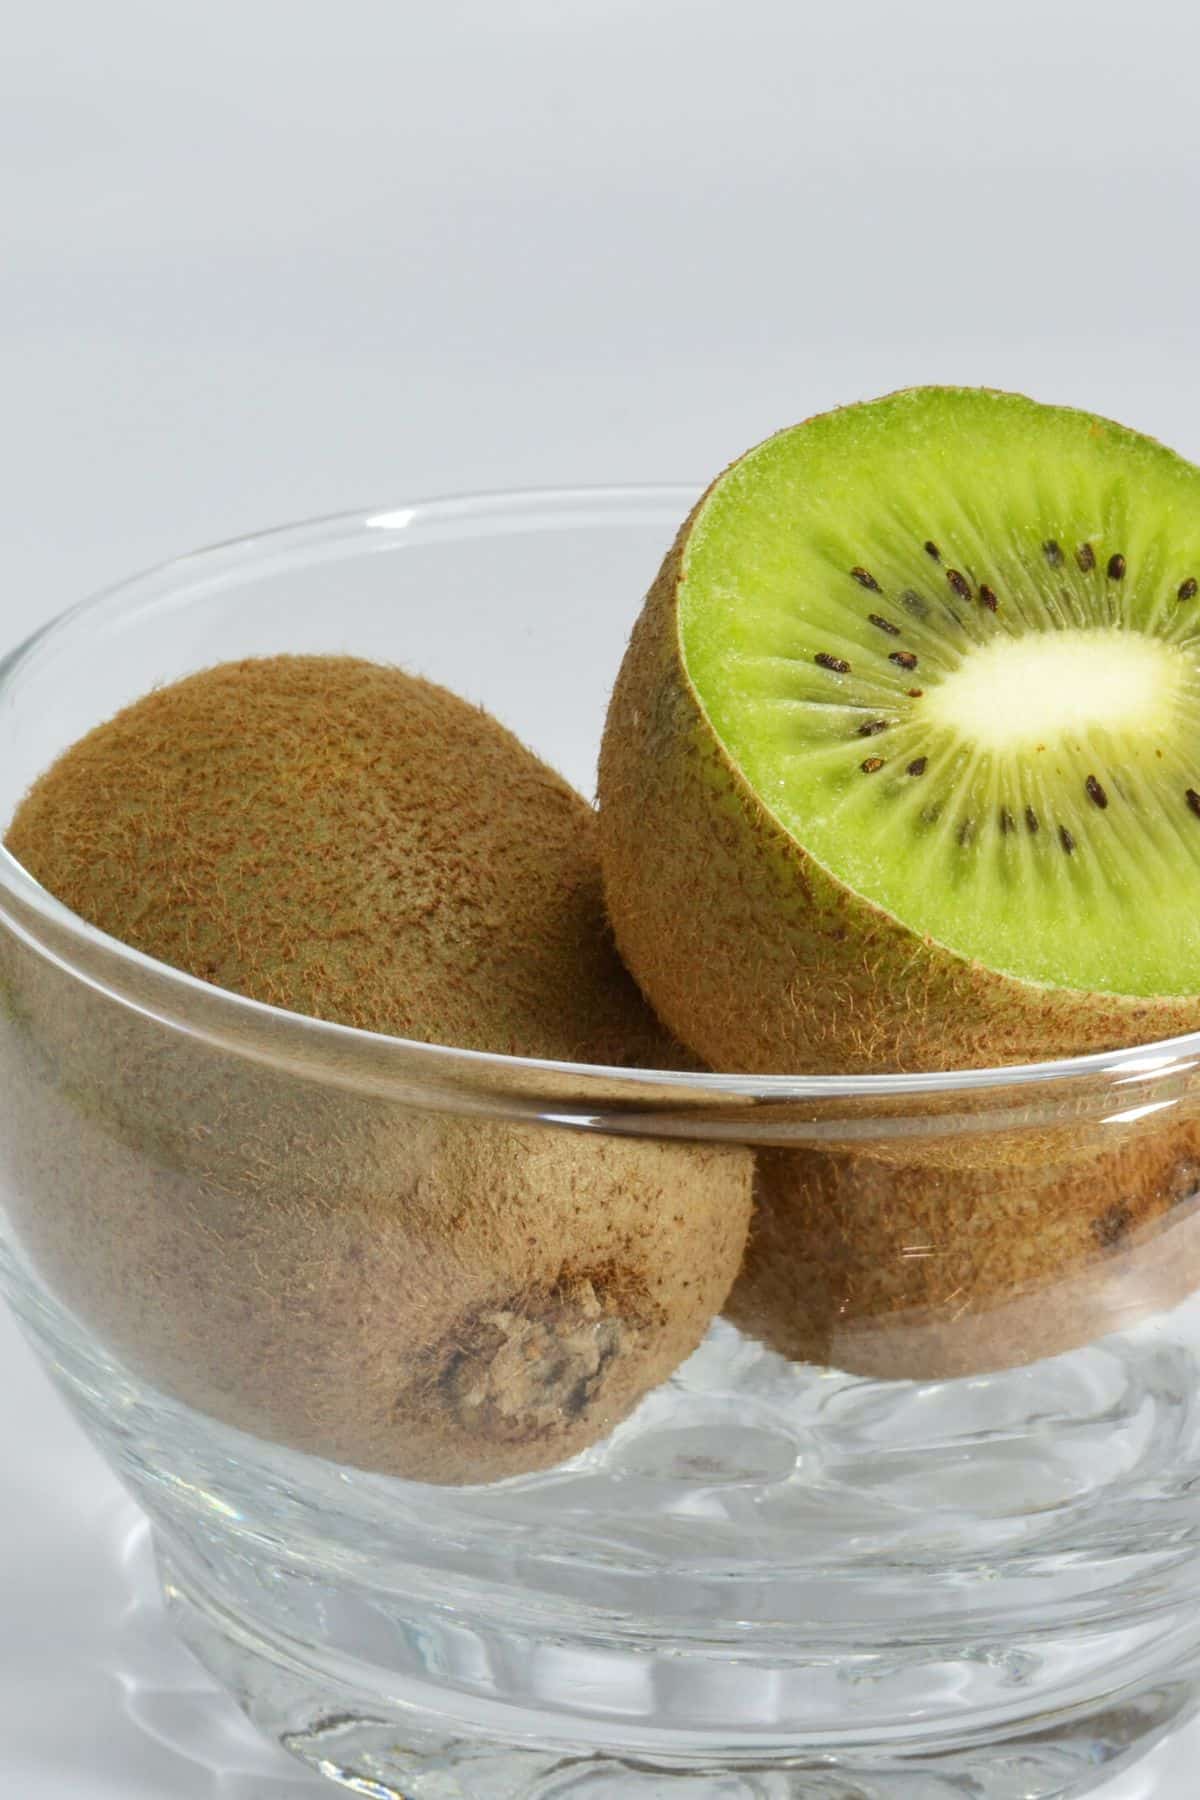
column 771, row 1582
column 392, row 1741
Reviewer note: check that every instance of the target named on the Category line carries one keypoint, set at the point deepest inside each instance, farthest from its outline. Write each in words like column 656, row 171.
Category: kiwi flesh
column 438, row 1296
column 900, row 772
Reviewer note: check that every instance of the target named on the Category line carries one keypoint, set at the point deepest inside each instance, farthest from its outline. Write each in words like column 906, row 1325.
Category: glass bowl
column 919, row 1516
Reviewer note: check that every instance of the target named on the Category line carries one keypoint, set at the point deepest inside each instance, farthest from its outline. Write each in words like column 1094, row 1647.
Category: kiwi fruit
column 901, row 769
column 444, row 1295
column 901, row 774
column 340, row 839
column 888, row 1270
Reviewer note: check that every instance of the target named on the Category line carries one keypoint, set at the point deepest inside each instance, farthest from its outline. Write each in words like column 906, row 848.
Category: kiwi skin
column 340, row 839
column 891, row 1270
column 752, row 954
column 442, row 1298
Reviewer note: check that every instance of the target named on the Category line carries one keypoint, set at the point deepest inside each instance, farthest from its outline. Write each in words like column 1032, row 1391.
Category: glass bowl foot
column 394, row 1738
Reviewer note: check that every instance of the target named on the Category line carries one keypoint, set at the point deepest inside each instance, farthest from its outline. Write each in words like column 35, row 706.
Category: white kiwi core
column 1017, row 693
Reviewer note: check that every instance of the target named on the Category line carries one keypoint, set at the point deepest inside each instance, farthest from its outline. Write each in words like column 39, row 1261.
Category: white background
column 261, row 259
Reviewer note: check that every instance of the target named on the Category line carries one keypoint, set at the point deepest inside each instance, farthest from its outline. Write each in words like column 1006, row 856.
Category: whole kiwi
column 436, row 1294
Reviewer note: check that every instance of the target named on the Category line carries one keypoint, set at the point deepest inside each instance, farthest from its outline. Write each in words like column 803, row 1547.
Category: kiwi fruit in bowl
column 444, row 1295
column 901, row 774
column 893, row 1269
column 906, row 734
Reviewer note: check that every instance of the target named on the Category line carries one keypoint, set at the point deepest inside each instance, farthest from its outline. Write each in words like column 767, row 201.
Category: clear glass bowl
column 955, row 1551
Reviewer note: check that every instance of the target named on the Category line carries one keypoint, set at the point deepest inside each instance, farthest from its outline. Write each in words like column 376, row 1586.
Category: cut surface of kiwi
column 953, row 640
column 924, row 674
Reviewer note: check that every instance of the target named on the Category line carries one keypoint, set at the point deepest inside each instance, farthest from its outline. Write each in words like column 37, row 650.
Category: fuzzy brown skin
column 753, row 954
column 886, row 1270
column 341, row 839
column 442, row 1298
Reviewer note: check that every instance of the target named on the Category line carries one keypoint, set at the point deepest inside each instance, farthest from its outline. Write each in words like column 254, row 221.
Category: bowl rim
column 226, row 1017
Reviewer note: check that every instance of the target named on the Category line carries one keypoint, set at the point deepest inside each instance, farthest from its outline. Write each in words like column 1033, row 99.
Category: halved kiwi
column 902, row 770
column 433, row 1291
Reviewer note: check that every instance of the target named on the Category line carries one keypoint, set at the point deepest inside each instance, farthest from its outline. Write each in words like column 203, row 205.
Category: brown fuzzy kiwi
column 445, row 1298
column 344, row 840
column 896, row 1270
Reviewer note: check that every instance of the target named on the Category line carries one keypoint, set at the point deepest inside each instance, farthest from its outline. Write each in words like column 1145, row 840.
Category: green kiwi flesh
column 901, row 769
column 443, row 1298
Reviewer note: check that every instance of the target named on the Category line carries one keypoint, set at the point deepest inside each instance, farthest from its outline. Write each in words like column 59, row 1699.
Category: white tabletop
column 263, row 260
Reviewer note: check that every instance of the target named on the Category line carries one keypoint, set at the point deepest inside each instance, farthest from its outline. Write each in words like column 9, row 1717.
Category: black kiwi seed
column 1031, row 819
column 865, row 579
column 965, row 832
column 1187, row 589
column 988, row 598
column 1052, row 552
column 914, row 693
column 1193, row 800
column 905, row 659
column 1085, row 556
column 838, row 664
column 872, row 727
column 959, row 583
column 931, row 549
column 1007, row 822
column 1096, row 792
column 872, row 765
column 1116, row 567
column 919, row 764
column 1066, row 840
column 882, row 624
column 913, row 601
